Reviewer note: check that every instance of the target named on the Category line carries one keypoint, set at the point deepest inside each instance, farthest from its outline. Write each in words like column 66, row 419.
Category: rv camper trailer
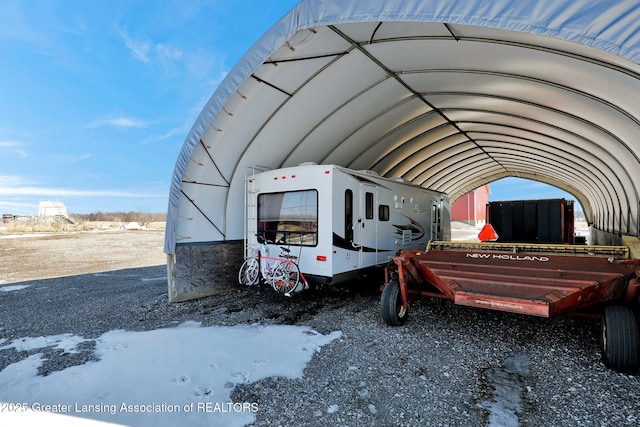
column 340, row 222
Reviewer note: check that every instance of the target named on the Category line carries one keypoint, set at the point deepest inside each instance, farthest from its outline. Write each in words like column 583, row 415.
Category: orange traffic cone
column 488, row 234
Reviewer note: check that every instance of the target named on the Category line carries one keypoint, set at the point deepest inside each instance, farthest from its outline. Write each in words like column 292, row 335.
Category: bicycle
column 281, row 273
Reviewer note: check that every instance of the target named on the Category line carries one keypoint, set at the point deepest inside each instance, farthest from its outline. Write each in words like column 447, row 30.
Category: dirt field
column 26, row 257
column 33, row 256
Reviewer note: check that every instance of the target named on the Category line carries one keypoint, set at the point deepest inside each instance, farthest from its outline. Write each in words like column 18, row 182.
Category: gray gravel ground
column 447, row 366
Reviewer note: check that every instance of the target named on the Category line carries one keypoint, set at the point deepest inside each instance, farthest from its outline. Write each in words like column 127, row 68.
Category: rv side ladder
column 251, row 208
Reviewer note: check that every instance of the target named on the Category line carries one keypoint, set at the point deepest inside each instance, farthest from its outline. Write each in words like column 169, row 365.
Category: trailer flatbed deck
column 537, row 280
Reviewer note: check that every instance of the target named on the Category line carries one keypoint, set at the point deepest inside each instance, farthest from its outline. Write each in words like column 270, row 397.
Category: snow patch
column 11, row 288
column 66, row 342
column 163, row 377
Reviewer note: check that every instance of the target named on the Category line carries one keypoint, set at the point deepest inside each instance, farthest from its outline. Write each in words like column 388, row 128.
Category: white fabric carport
column 448, row 94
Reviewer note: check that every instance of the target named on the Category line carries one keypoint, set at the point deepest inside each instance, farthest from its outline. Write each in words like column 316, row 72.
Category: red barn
column 471, row 208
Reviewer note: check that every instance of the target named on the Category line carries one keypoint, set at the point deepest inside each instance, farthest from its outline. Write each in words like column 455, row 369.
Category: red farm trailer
column 538, row 280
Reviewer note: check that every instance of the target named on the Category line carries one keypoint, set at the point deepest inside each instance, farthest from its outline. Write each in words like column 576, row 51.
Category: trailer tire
column 620, row 339
column 393, row 313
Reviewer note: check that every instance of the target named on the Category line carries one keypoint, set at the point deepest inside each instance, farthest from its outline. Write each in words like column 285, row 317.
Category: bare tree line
column 143, row 218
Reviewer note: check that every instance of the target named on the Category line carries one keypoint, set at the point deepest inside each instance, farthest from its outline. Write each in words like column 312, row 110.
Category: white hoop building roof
column 448, row 94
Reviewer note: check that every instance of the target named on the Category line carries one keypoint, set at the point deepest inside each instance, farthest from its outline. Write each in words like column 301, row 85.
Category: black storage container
column 532, row 221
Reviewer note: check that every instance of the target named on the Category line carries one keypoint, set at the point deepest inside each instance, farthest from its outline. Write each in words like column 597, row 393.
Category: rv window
column 383, row 213
column 348, row 215
column 369, row 205
column 289, row 218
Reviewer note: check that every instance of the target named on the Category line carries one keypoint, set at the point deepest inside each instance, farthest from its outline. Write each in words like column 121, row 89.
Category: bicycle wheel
column 285, row 278
column 249, row 272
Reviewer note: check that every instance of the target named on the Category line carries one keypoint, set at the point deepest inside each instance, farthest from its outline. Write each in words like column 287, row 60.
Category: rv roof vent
column 370, row 172
column 308, row 164
column 398, row 179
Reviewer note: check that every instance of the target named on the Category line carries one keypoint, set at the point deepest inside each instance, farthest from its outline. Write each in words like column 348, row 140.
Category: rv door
column 436, row 221
column 367, row 230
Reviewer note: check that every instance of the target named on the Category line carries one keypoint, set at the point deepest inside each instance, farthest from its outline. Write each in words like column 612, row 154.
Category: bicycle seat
column 285, row 249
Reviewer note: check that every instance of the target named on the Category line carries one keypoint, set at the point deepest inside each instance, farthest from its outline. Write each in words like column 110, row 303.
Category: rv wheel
column 393, row 313
column 620, row 339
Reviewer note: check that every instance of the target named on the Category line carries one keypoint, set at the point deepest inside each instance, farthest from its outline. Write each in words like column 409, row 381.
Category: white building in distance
column 48, row 208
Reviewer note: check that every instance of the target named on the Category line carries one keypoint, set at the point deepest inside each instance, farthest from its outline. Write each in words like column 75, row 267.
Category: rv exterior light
column 321, row 258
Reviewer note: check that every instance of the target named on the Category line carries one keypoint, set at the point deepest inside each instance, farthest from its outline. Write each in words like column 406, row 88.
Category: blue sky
column 96, row 97
column 524, row 189
column 513, row 188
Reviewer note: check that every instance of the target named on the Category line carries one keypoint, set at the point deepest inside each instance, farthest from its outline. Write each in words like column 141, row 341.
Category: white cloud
column 69, row 192
column 173, row 132
column 12, row 181
column 176, row 135
column 199, row 64
column 139, row 49
column 169, row 59
column 71, row 158
column 147, row 52
column 13, row 147
column 168, row 52
column 17, row 28
column 124, row 122
column 20, row 195
column 18, row 206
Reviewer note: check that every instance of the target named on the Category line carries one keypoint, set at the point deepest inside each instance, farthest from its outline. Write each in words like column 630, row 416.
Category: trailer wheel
column 620, row 339
column 393, row 313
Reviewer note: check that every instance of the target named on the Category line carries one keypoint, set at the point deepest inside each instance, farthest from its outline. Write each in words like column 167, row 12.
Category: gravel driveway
column 447, row 366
